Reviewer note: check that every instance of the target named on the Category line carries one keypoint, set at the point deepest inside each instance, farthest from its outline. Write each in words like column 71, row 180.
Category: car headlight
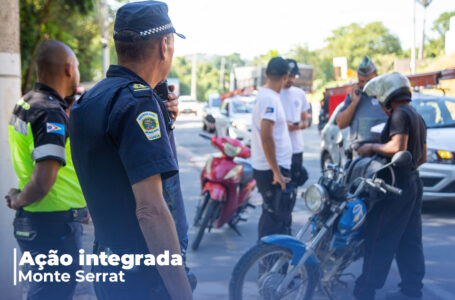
column 239, row 126
column 440, row 156
column 315, row 197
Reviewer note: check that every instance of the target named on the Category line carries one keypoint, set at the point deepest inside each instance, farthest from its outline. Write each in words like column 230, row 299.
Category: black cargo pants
column 394, row 230
column 277, row 205
column 39, row 237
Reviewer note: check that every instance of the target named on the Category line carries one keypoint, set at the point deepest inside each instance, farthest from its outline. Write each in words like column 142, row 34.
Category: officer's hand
column 278, row 178
column 355, row 96
column 87, row 219
column 11, row 198
column 365, row 150
column 173, row 104
column 292, row 126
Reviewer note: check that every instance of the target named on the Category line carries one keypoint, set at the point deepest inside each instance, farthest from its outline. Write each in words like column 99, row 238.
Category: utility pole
column 425, row 4
column 413, row 46
column 194, row 77
column 223, row 62
column 104, row 28
column 10, row 93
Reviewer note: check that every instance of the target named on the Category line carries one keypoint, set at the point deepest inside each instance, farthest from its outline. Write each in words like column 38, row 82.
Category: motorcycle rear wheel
column 207, row 215
column 243, row 283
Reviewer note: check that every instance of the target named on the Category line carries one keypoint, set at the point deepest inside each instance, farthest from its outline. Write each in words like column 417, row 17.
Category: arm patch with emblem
column 148, row 121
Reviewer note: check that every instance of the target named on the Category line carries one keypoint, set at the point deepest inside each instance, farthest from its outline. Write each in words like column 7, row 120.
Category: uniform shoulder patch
column 150, row 125
column 57, row 128
column 140, row 90
column 23, row 104
column 269, row 110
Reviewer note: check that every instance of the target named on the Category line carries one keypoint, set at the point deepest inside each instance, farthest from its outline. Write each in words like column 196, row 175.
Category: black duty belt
column 72, row 215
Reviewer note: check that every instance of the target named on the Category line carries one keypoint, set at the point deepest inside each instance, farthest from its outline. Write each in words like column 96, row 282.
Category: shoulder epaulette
column 140, row 90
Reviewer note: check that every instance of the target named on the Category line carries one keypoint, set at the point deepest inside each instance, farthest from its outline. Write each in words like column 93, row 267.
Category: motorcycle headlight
column 315, row 197
column 231, row 150
column 440, row 156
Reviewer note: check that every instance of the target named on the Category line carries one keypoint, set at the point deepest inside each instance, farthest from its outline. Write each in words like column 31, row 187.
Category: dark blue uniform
column 120, row 136
column 394, row 226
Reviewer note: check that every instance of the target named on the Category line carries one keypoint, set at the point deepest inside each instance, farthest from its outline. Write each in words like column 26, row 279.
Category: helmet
column 387, row 86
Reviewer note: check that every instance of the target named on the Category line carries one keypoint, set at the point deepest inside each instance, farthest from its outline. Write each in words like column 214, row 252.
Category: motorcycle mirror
column 401, row 158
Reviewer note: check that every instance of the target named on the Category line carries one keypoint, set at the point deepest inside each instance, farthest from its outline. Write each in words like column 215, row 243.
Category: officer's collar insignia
column 148, row 121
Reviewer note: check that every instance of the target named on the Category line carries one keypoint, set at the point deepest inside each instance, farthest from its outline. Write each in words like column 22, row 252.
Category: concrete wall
column 10, row 82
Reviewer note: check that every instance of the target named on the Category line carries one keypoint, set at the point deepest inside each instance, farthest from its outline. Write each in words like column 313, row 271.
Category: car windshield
column 242, row 107
column 437, row 112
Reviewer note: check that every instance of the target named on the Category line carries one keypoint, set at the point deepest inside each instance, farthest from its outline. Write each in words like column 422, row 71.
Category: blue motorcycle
column 286, row 267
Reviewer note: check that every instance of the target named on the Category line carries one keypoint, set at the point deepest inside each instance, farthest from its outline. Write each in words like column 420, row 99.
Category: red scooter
column 227, row 184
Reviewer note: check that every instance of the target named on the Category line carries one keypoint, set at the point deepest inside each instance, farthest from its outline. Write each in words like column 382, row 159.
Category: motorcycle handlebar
column 205, row 136
column 393, row 189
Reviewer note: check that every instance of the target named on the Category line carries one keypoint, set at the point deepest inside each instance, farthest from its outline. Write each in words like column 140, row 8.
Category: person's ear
column 164, row 47
column 69, row 71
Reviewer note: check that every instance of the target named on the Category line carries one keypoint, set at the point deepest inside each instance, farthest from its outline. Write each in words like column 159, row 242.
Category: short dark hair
column 51, row 56
column 131, row 47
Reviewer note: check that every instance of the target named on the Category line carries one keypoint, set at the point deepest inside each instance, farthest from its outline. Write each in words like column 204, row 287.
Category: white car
column 188, row 104
column 438, row 173
column 234, row 119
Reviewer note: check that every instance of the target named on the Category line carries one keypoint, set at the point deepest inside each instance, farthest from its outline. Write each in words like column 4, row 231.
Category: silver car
column 234, row 119
column 438, row 173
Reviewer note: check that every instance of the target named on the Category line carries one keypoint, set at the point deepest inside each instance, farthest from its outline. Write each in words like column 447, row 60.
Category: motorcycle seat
column 247, row 174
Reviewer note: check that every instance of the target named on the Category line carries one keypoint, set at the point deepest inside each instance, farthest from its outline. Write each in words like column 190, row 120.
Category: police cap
column 367, row 67
column 147, row 18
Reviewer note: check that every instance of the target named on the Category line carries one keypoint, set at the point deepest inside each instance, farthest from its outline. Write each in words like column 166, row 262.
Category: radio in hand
column 162, row 89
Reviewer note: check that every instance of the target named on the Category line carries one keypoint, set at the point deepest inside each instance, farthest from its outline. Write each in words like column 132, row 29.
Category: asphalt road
column 221, row 249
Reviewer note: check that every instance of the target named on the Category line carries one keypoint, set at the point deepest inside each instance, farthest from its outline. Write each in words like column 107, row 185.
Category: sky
column 253, row 27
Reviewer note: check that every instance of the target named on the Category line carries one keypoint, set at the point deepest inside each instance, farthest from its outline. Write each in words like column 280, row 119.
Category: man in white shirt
column 271, row 152
column 296, row 108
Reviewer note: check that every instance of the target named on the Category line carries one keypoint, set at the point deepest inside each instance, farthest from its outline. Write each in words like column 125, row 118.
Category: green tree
column 436, row 46
column 54, row 19
column 355, row 41
column 319, row 59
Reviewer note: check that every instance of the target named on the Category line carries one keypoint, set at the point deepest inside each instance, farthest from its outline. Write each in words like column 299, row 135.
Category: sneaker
column 399, row 295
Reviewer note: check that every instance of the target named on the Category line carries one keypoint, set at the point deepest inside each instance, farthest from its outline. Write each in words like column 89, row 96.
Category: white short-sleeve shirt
column 268, row 106
column 294, row 104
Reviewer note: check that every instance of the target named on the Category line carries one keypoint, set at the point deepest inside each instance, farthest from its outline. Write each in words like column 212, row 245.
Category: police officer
column 359, row 111
column 122, row 154
column 49, row 201
column 271, row 152
column 394, row 226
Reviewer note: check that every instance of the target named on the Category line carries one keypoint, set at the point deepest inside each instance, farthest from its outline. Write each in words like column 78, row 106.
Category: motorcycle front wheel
column 207, row 216
column 253, row 278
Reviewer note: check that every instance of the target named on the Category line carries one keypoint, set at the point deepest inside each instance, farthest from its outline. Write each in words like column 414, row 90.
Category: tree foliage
column 436, row 46
column 355, row 41
column 71, row 21
column 207, row 73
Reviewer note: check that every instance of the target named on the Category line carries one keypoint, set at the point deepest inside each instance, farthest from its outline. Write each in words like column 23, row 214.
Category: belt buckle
column 75, row 214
